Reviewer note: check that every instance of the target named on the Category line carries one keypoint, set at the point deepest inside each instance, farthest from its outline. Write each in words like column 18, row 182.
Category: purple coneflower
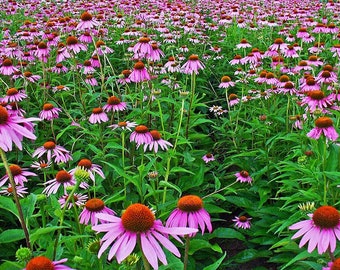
column 138, row 224
column 90, row 167
column 43, row 263
column 87, row 22
column 243, row 44
column 7, row 67
column 334, row 265
column 323, row 125
column 78, row 200
column 243, row 177
column 114, row 105
column 101, row 48
column 124, row 76
column 156, row 53
column 14, row 95
column 192, row 65
column 124, row 125
column 62, row 178
column 59, row 153
column 156, row 142
column 190, row 213
column 73, row 45
column 142, row 48
column 91, row 80
column 19, row 175
column 87, row 67
column 21, row 191
column 41, row 165
column 42, row 52
column 316, row 100
column 139, row 73
column 98, row 116
column 242, row 222
column 92, row 207
column 233, row 100
column 208, row 157
column 49, row 112
column 321, row 230
column 141, row 135
column 13, row 129
column 226, row 82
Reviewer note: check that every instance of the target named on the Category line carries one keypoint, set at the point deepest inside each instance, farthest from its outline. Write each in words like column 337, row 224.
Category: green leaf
column 41, row 231
column 251, row 254
column 8, row 204
column 170, row 185
column 7, row 265
column 179, row 169
column 11, row 235
column 28, row 205
column 197, row 244
column 227, row 233
column 216, row 264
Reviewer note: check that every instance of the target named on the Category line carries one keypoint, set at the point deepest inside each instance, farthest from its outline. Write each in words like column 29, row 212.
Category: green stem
column 16, row 197
column 186, row 252
column 219, row 190
column 166, row 177
column 179, row 124
column 123, row 159
column 161, row 115
column 192, row 93
column 325, row 182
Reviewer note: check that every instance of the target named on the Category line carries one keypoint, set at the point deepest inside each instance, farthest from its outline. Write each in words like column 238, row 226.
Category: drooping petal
column 149, row 251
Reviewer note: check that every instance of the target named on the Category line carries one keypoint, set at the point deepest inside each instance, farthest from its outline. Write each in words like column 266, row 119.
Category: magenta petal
column 128, row 245
column 149, row 251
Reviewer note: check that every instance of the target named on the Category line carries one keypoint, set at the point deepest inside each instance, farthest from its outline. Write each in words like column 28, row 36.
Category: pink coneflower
column 13, row 128
column 236, row 61
column 233, row 100
column 290, row 52
column 139, row 73
column 323, row 125
column 59, row 88
column 42, row 52
column 41, row 165
column 208, row 157
column 316, row 100
column 91, row 80
column 73, row 45
column 334, row 265
column 314, row 60
column 141, row 135
column 49, row 112
column 114, row 105
column 87, row 22
column 226, row 82
column 92, row 208
column 190, row 213
column 30, row 77
column 90, row 167
column 242, row 222
column 142, row 48
column 101, row 48
column 124, row 76
column 21, row 191
column 138, row 224
column 78, row 200
column 278, row 45
column 192, row 65
column 243, row 44
column 62, row 178
column 270, row 79
column 98, row 116
column 302, row 65
column 156, row 142
column 7, row 67
column 243, row 177
column 335, row 49
column 59, row 68
column 14, row 95
column 59, row 153
column 172, row 65
column 19, row 175
column 43, row 263
column 95, row 61
column 326, row 77
column 155, row 54
column 87, row 67
column 62, row 53
column 309, row 84
column 320, row 231
column 86, row 37
column 124, row 125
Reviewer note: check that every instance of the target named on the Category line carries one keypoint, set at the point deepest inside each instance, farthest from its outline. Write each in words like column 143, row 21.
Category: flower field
column 195, row 135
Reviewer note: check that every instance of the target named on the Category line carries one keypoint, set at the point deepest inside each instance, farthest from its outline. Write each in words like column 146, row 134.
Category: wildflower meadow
column 169, row 134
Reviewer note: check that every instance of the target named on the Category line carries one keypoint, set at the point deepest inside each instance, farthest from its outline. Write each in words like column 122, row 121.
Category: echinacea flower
column 321, row 231
column 139, row 73
column 208, row 157
column 141, row 135
column 40, row 165
column 138, row 224
column 192, row 65
column 49, row 112
column 73, row 45
column 124, row 125
column 226, row 82
column 44, row 263
column 98, row 116
column 323, row 125
column 62, row 178
column 242, row 222
column 92, row 207
column 334, row 265
column 19, row 175
column 14, row 95
column 190, row 213
column 13, row 129
column 156, row 142
column 114, row 104
column 78, row 200
column 21, row 191
column 86, row 22
column 90, row 167
column 7, row 67
column 59, row 153
column 243, row 177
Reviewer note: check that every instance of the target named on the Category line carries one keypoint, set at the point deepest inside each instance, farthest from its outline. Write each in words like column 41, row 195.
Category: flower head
column 141, row 135
column 335, row 265
column 62, row 178
column 156, row 142
column 19, row 175
column 93, row 207
column 208, row 157
column 242, row 222
column 323, row 125
column 44, row 263
column 114, row 104
column 138, row 221
column 243, row 177
column 321, row 231
column 190, row 213
column 49, row 112
column 52, row 150
column 98, row 116
column 192, row 65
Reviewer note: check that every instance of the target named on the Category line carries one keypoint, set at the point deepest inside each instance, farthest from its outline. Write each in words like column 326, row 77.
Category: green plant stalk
column 161, row 115
column 325, row 182
column 123, row 159
column 179, row 124
column 166, row 177
column 186, row 252
column 192, row 93
column 219, row 190
column 16, row 198
column 70, row 196
column 145, row 260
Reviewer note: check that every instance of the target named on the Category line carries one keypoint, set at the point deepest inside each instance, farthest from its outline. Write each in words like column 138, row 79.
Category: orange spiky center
column 113, row 100
column 155, row 135
column 193, row 57
column 86, row 163
column 232, row 96
column 141, row 129
column 244, row 173
column 336, row 264
column 284, row 78
column 324, row 122
column 243, row 219
column 63, row 176
column 40, row 263
column 138, row 218
column 139, row 65
column 86, row 16
column 71, row 40
column 49, row 145
column 15, row 169
column 316, row 94
column 225, row 79
column 42, row 45
column 122, row 124
column 190, row 203
column 326, row 217
column 48, row 107
column 97, row 110
column 7, row 62
column 12, row 92
column 94, row 205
